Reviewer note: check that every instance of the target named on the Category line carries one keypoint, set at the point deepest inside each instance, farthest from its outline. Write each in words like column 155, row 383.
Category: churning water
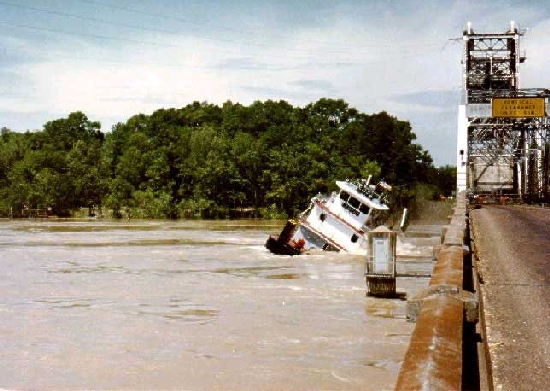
column 190, row 305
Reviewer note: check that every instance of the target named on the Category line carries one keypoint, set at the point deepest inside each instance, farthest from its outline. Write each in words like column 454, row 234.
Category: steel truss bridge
column 503, row 131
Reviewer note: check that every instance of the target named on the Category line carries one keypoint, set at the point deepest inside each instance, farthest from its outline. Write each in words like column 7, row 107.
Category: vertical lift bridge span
column 503, row 131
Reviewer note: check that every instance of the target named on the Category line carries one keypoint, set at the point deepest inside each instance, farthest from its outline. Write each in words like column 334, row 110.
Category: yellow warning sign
column 518, row 107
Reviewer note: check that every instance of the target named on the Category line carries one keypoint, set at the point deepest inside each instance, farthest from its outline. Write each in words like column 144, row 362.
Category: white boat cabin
column 340, row 221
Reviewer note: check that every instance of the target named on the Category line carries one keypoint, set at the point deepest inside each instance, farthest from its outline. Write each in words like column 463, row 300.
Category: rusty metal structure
column 503, row 131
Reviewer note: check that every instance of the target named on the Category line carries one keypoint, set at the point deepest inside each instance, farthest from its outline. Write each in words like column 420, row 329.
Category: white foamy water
column 191, row 305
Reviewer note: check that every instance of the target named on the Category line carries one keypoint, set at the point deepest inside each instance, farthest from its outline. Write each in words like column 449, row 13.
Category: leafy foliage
column 206, row 161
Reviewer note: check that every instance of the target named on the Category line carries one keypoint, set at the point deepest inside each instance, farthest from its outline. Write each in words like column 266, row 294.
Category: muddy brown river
column 197, row 305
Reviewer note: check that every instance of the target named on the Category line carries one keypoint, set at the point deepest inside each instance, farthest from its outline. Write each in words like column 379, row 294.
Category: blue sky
column 113, row 59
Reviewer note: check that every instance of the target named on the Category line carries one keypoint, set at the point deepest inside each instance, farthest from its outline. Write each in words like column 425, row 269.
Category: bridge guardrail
column 434, row 358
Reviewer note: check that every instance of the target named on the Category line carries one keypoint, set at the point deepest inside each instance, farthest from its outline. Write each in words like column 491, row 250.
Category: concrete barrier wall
column 434, row 358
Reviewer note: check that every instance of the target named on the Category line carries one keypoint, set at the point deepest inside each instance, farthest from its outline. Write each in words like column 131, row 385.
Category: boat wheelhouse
column 338, row 222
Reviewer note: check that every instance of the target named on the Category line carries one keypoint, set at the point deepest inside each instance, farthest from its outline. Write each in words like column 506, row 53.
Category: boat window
column 354, row 202
column 354, row 238
column 322, row 216
column 350, row 208
column 344, row 195
column 364, row 209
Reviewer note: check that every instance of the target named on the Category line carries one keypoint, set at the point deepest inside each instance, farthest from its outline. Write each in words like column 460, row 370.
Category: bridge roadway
column 513, row 261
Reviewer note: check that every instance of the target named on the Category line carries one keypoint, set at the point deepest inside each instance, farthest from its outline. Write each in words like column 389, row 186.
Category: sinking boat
column 338, row 222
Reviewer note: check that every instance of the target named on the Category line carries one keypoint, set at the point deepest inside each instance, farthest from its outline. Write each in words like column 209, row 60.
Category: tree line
column 210, row 161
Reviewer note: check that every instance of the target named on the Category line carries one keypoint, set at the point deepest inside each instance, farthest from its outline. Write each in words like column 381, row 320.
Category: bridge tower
column 502, row 138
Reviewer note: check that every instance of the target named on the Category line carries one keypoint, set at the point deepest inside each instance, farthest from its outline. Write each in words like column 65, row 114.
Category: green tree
column 446, row 180
column 202, row 160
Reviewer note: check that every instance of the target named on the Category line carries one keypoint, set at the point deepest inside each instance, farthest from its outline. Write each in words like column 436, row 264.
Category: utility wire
column 237, row 31
column 134, row 41
column 72, row 33
column 401, row 54
column 86, row 18
column 142, row 28
column 164, row 16
column 105, row 37
column 171, row 17
column 313, row 65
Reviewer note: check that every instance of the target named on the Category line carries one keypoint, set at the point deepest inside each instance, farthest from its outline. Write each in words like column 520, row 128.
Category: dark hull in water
column 284, row 244
column 274, row 245
column 295, row 239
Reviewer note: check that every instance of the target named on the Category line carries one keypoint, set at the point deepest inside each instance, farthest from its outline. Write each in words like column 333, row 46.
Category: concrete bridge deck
column 509, row 347
column 513, row 262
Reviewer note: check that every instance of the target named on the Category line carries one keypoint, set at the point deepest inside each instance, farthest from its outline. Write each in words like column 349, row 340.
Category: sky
column 114, row 59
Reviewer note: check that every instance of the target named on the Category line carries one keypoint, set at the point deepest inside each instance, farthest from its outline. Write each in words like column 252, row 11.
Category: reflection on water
column 284, row 276
column 191, row 305
column 384, row 308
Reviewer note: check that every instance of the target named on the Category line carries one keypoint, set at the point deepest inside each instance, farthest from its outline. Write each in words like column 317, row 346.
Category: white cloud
column 369, row 54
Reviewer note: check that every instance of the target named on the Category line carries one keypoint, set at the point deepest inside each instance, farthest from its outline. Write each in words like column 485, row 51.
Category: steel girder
column 521, row 143
column 491, row 62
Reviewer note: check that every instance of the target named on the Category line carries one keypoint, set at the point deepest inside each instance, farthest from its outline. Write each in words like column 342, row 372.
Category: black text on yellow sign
column 518, row 107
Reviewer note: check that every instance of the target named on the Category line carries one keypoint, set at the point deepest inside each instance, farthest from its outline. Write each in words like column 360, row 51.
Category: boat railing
column 371, row 192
